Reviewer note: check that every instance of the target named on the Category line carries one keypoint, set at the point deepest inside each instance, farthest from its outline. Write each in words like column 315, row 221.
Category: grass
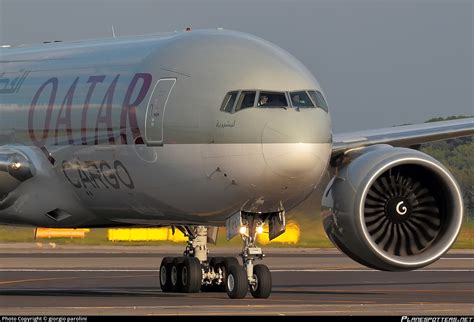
column 466, row 236
column 312, row 235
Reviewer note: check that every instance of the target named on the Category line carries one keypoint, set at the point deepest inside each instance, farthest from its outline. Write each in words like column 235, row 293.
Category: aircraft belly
column 183, row 182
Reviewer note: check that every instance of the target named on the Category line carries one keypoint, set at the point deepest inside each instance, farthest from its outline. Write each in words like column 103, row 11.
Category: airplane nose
column 291, row 149
column 292, row 160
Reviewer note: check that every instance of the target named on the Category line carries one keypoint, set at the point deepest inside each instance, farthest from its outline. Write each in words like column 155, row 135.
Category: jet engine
column 392, row 209
column 15, row 168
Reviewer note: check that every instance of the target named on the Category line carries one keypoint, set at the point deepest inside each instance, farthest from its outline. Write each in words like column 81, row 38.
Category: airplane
column 202, row 129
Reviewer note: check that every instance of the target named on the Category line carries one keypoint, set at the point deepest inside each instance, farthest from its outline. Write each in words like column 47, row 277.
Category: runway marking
column 37, row 280
column 67, row 278
column 74, row 270
column 387, row 290
column 310, row 270
column 362, row 270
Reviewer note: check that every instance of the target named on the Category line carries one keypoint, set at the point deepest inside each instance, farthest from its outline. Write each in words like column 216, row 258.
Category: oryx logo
column 401, row 209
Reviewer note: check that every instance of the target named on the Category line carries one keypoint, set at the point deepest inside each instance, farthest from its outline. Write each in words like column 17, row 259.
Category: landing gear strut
column 195, row 271
column 258, row 277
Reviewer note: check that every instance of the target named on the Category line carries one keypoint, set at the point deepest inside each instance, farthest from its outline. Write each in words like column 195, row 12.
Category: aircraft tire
column 263, row 279
column 165, row 274
column 236, row 282
column 175, row 275
column 190, row 275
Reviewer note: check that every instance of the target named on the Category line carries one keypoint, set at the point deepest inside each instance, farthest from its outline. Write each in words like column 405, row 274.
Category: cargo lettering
column 97, row 175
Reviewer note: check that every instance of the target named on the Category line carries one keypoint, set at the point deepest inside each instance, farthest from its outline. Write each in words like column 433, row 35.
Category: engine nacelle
column 32, row 192
column 392, row 208
column 15, row 168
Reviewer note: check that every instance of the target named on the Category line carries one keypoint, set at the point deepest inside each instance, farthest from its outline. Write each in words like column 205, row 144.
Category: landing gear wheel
column 227, row 263
column 175, row 274
column 191, row 275
column 236, row 282
column 263, row 282
column 165, row 274
column 223, row 263
column 230, row 261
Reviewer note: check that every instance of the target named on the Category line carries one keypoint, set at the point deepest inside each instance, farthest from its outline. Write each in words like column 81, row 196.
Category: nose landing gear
column 259, row 278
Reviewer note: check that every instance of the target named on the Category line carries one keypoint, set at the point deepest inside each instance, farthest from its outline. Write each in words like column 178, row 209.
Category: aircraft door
column 156, row 109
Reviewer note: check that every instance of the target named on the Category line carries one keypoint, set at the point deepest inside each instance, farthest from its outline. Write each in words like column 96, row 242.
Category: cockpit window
column 237, row 100
column 300, row 99
column 246, row 100
column 272, row 99
column 229, row 101
column 318, row 100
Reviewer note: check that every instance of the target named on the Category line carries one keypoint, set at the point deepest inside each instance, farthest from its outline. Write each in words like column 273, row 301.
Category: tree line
column 458, row 156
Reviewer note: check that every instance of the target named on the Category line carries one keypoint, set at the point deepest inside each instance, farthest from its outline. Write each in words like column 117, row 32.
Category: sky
column 380, row 62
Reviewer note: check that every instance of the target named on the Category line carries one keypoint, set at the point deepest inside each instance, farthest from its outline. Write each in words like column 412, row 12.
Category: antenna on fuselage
column 113, row 32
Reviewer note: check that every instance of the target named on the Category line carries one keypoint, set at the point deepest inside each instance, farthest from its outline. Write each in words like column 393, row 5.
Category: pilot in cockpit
column 263, row 100
column 297, row 101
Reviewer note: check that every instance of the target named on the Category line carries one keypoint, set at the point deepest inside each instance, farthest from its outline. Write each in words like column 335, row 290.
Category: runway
column 74, row 280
